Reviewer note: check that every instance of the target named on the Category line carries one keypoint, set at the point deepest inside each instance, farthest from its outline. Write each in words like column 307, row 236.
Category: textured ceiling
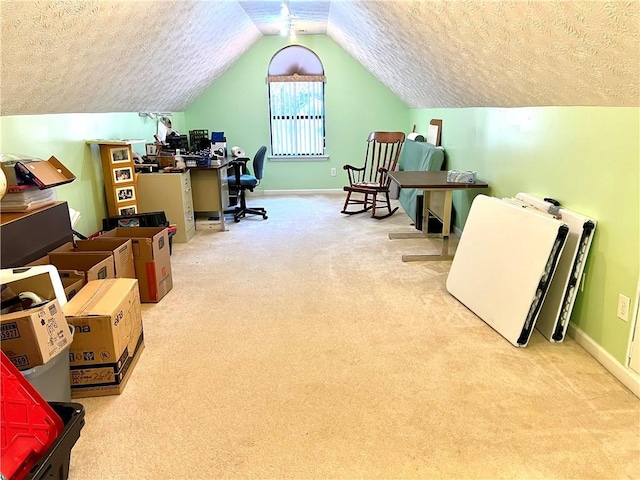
column 116, row 55
column 496, row 53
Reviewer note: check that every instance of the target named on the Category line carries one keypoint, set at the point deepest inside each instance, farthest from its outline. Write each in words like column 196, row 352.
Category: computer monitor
column 218, row 137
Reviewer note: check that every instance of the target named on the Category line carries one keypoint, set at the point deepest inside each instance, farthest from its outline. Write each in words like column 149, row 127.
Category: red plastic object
column 28, row 425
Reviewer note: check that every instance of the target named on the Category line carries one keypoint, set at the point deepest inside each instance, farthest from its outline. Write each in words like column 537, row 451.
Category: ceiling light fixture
column 284, row 10
column 286, row 21
column 153, row 115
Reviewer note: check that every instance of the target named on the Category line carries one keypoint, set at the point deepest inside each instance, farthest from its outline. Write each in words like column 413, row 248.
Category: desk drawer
column 186, row 187
column 171, row 193
column 189, row 217
column 208, row 189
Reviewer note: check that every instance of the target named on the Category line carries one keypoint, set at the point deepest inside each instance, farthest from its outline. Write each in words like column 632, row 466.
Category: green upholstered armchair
column 417, row 156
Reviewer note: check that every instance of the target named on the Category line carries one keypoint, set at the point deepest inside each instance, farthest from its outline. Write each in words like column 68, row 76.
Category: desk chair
column 242, row 180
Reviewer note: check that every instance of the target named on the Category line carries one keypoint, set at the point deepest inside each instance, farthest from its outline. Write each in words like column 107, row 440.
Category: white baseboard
column 320, row 191
column 628, row 377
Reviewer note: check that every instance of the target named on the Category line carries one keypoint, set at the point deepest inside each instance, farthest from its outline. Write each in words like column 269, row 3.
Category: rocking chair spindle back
column 370, row 183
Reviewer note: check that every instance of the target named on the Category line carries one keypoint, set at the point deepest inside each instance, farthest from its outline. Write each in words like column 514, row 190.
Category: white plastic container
column 179, row 160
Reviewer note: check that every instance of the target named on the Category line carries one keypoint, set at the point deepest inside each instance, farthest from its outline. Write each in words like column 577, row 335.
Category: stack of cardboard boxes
column 34, row 328
column 108, row 338
column 151, row 258
column 105, row 280
column 95, row 286
column 136, row 252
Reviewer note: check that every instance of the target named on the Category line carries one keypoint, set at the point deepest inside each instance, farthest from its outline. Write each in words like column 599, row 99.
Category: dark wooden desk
column 431, row 181
column 25, row 237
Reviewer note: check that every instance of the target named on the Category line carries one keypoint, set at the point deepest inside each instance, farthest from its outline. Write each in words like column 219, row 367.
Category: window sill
column 304, row 158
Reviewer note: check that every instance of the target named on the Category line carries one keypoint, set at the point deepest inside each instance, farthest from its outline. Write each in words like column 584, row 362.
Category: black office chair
column 242, row 180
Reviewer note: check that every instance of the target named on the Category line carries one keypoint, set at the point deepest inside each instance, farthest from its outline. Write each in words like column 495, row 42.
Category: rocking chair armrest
column 351, row 167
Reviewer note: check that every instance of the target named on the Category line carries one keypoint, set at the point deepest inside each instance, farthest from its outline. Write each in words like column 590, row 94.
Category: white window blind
column 296, row 106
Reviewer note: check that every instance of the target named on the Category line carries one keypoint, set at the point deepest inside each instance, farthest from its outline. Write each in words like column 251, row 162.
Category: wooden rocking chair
column 371, row 182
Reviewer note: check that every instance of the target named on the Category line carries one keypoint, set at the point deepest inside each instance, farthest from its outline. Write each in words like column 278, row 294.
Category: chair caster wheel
column 237, row 220
column 264, row 217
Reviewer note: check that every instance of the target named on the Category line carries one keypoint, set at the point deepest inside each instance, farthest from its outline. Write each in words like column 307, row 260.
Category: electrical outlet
column 623, row 307
column 334, row 172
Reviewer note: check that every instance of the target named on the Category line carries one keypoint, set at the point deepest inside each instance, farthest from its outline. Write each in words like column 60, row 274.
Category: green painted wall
column 588, row 158
column 356, row 104
column 64, row 136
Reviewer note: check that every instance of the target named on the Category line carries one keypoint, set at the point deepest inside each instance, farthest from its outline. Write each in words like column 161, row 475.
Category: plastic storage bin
column 54, row 464
column 52, row 380
column 29, row 426
column 149, row 219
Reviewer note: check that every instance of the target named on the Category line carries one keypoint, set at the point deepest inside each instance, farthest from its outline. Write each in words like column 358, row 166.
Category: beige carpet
column 302, row 347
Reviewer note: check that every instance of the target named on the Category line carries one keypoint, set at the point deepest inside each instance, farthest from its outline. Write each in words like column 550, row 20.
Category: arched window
column 296, row 103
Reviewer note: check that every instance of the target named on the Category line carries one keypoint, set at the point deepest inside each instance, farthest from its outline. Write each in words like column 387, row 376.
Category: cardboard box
column 40, row 261
column 120, row 248
column 165, row 161
column 95, row 266
column 33, row 336
column 152, row 259
column 42, row 173
column 109, row 336
column 72, row 281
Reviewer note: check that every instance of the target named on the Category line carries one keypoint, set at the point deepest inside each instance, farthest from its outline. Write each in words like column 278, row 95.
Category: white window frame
column 297, row 131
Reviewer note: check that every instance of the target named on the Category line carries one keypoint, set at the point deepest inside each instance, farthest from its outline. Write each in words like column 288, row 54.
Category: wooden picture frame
column 435, row 132
column 125, row 194
column 122, row 175
column 128, row 210
column 119, row 155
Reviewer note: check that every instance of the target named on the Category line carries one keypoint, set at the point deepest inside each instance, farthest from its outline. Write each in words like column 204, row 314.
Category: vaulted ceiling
column 114, row 55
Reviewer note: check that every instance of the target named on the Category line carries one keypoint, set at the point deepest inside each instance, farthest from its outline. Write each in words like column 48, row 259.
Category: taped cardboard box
column 120, row 248
column 95, row 266
column 109, row 336
column 36, row 334
column 152, row 259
